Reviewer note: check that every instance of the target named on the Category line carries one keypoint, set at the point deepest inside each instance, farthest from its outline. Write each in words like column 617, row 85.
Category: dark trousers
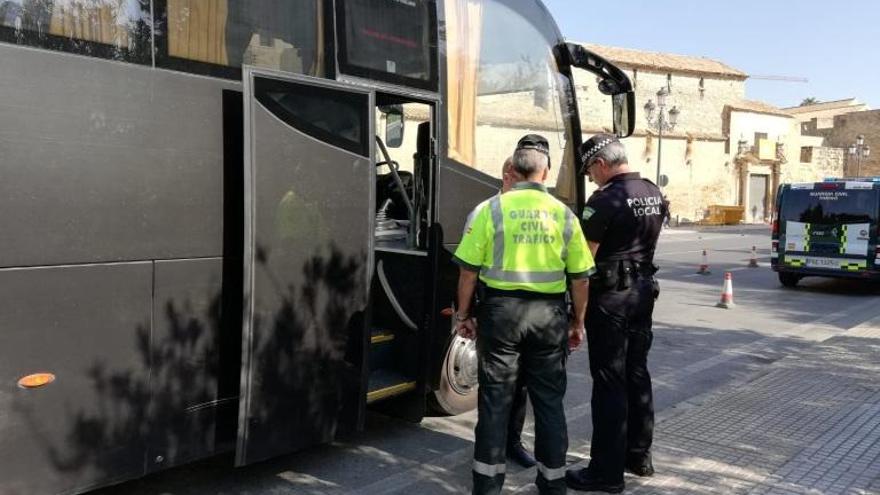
column 517, row 413
column 527, row 337
column 619, row 337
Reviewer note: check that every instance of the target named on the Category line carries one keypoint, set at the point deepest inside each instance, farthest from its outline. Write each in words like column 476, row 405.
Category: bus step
column 379, row 336
column 386, row 383
column 381, row 349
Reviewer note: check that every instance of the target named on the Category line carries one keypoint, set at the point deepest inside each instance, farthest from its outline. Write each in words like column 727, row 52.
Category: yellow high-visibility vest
column 525, row 239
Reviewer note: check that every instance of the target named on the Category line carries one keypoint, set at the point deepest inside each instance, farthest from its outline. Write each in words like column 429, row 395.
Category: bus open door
column 308, row 231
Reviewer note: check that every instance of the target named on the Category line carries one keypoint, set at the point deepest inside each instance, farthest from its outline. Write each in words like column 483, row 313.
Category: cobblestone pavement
column 810, row 425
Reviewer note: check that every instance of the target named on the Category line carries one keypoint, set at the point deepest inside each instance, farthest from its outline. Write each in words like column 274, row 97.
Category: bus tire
column 457, row 392
column 789, row 280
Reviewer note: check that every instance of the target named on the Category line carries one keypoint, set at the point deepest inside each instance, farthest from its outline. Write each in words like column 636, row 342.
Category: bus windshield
column 503, row 79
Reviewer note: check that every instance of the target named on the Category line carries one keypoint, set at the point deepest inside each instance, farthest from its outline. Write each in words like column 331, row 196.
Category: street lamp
column 742, row 146
column 661, row 120
column 859, row 150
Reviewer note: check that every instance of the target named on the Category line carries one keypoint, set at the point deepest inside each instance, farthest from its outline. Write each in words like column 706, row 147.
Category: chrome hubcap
column 463, row 358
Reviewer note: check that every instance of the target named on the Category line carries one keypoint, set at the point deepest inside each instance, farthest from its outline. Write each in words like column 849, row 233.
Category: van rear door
column 828, row 226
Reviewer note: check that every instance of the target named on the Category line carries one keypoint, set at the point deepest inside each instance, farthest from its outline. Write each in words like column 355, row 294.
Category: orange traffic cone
column 753, row 263
column 726, row 301
column 704, row 265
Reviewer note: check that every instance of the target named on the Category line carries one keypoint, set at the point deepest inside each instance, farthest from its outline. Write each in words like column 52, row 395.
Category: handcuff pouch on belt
column 620, row 274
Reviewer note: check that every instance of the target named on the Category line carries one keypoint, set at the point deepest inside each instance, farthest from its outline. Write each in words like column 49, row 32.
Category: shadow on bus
column 306, row 379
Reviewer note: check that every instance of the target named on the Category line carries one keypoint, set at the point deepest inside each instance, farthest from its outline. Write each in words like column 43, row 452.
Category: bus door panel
column 309, row 220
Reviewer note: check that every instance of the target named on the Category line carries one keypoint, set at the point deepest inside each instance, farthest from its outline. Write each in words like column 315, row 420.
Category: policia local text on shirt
column 523, row 245
column 621, row 222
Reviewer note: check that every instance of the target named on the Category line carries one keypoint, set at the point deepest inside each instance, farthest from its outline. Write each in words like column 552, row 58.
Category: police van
column 826, row 229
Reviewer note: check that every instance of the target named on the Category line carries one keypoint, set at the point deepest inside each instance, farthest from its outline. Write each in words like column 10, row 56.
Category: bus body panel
column 194, row 362
column 105, row 161
column 460, row 190
column 90, row 327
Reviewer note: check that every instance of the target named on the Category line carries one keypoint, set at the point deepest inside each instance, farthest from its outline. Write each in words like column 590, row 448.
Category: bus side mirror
column 394, row 126
column 624, row 113
column 612, row 81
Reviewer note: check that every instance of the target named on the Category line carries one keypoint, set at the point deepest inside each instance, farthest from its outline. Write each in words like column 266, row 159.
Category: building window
column 702, row 87
column 635, row 78
column 669, row 82
column 806, row 154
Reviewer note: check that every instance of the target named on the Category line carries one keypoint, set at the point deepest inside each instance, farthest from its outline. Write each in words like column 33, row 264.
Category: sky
column 835, row 45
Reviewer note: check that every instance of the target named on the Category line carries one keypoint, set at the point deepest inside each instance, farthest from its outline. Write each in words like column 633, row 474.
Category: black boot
column 641, row 466
column 587, row 481
column 518, row 454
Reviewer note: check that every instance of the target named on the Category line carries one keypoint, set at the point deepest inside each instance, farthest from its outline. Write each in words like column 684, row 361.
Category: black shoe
column 518, row 454
column 641, row 467
column 584, row 480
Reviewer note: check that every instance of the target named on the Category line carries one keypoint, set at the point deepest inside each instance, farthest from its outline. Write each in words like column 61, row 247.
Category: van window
column 829, row 206
column 114, row 29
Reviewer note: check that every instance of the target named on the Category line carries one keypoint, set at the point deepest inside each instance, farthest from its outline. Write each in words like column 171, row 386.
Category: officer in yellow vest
column 523, row 245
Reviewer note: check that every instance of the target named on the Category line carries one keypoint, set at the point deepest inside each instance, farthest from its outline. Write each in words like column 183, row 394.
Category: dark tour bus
column 827, row 229
column 227, row 224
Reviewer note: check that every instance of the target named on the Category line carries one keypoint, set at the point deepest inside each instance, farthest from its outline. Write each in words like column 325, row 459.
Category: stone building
column 846, row 130
column 818, row 119
column 836, row 125
column 725, row 149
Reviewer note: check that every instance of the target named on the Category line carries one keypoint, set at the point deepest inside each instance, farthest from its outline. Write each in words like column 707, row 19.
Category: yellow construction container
column 724, row 215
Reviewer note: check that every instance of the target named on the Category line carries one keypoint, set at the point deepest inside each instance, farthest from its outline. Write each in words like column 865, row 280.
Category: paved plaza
column 780, row 395
column 810, row 424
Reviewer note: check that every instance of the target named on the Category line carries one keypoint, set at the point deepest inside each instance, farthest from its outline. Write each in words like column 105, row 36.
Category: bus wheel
column 789, row 280
column 457, row 392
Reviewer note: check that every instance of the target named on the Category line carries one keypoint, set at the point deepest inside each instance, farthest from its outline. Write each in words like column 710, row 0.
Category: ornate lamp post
column 859, row 150
column 742, row 147
column 661, row 120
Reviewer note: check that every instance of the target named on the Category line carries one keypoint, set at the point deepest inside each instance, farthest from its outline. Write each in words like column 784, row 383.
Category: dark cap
column 594, row 145
column 533, row 142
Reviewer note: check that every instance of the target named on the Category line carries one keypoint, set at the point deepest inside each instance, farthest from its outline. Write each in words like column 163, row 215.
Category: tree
column 809, row 101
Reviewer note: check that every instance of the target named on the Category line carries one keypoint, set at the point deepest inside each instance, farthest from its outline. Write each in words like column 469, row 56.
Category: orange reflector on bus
column 36, row 380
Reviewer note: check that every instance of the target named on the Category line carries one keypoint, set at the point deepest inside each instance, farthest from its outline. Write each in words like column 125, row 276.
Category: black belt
column 522, row 294
column 619, row 274
column 627, row 267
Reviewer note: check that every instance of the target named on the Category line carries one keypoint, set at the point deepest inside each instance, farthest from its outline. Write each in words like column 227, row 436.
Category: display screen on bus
column 389, row 40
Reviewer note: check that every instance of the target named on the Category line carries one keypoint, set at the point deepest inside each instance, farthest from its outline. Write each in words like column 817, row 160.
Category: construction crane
column 781, row 78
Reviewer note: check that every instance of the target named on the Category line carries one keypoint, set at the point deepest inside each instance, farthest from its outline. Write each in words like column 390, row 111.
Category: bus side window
column 217, row 37
column 115, row 29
